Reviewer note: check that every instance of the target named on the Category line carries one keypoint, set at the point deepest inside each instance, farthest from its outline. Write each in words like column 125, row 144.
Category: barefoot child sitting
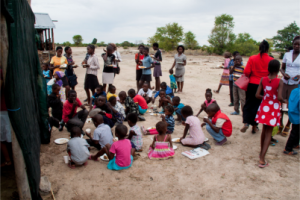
column 139, row 100
column 218, row 125
column 135, row 134
column 146, row 92
column 192, row 124
column 207, row 102
column 177, row 108
column 122, row 149
column 161, row 147
column 164, row 101
column 77, row 148
column 167, row 89
column 54, row 102
column 103, row 109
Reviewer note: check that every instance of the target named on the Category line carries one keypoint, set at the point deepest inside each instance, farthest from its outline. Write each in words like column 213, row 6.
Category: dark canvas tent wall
column 26, row 89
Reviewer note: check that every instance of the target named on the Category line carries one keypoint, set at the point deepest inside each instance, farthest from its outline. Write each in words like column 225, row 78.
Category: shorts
column 287, row 89
column 65, row 81
column 146, row 77
column 112, row 165
column 142, row 111
column 139, row 74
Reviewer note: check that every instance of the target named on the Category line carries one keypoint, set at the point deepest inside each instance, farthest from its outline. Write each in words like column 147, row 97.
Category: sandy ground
column 228, row 172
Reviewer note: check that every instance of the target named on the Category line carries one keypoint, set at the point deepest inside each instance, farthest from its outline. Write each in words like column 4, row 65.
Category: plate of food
column 149, row 111
column 175, row 147
column 150, row 128
column 84, row 65
column 61, row 141
column 153, row 114
column 206, row 140
column 177, row 140
column 64, row 66
column 142, row 67
column 104, row 157
column 179, row 62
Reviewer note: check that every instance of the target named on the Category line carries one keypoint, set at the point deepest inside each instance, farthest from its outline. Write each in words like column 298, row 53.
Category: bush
column 125, row 47
column 67, row 43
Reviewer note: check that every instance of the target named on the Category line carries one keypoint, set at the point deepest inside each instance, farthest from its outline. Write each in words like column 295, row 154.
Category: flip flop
column 215, row 91
column 280, row 129
column 291, row 153
column 263, row 165
column 253, row 131
column 244, row 129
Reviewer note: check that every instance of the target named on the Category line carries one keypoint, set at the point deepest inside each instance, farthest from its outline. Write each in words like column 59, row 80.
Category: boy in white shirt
column 146, row 92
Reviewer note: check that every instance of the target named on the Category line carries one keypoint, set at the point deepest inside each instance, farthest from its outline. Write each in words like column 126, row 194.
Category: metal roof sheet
column 43, row 20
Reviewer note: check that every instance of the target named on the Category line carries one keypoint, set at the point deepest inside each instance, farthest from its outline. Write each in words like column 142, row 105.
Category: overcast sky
column 120, row 20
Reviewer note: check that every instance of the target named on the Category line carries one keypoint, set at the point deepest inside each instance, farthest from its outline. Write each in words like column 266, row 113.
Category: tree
column 67, row 43
column 125, row 44
column 189, row 40
column 283, row 39
column 245, row 45
column 221, row 37
column 101, row 44
column 168, row 36
column 94, row 41
column 77, row 39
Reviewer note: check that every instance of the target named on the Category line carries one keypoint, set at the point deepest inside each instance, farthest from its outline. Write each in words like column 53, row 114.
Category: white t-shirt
column 292, row 68
column 118, row 56
column 142, row 92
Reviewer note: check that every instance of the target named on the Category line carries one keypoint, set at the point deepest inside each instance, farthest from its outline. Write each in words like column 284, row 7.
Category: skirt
column 180, row 72
column 91, row 82
column 251, row 106
column 112, row 165
column 5, row 127
column 157, row 71
column 225, row 77
column 108, row 78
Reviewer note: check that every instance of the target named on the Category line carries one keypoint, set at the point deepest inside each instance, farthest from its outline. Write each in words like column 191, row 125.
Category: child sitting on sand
column 58, row 75
column 167, row 89
column 132, row 107
column 192, row 124
column 161, row 147
column 77, row 148
column 164, row 101
column 99, row 92
column 218, row 125
column 121, row 153
column 207, row 102
column 139, row 100
column 104, row 110
column 122, row 97
column 173, row 81
column 54, row 102
column 112, row 92
column 177, row 108
column 117, row 109
column 146, row 92
column 135, row 134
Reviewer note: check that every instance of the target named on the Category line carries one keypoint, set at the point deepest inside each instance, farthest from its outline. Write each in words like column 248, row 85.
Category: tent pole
column 20, row 167
column 53, row 45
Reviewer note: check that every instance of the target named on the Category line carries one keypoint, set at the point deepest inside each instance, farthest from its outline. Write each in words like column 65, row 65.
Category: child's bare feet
column 71, row 165
column 94, row 158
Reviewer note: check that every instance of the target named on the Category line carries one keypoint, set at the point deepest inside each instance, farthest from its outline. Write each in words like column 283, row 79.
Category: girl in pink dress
column 207, row 102
column 225, row 76
column 268, row 112
column 162, row 147
column 193, row 125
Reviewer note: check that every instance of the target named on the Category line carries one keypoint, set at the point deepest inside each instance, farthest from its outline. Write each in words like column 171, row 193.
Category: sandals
column 244, row 129
column 291, row 153
column 215, row 91
column 285, row 133
column 263, row 165
column 280, row 129
column 255, row 131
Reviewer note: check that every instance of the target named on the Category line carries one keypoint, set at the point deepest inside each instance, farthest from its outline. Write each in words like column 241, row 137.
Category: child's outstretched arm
column 259, row 89
column 186, row 129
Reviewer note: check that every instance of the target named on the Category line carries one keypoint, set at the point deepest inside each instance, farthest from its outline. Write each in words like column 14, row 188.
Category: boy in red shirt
column 219, row 125
column 70, row 115
column 143, row 106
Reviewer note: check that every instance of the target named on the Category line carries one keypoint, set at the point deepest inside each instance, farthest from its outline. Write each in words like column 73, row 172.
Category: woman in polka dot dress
column 268, row 113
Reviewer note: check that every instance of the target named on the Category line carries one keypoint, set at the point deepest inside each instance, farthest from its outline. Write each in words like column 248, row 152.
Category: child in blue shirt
column 173, row 81
column 169, row 119
column 177, row 108
column 167, row 89
column 99, row 92
column 48, row 76
column 148, row 63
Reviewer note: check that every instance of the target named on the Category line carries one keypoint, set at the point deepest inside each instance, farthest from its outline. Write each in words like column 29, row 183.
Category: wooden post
column 53, row 44
column 20, row 167
column 42, row 38
column 46, row 38
column 49, row 39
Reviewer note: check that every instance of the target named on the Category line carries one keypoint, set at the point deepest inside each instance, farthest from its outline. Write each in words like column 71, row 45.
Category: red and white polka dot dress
column 269, row 110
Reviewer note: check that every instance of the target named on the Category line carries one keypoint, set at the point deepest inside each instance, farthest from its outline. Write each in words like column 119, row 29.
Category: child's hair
column 290, row 48
column 72, row 92
column 263, row 47
column 171, row 71
column 227, row 54
column 146, row 48
column 111, row 99
column 296, row 38
column 208, row 91
column 170, row 108
column 100, row 87
column 132, row 117
column 161, row 127
column 122, row 93
column 163, row 84
column 274, row 66
column 238, row 56
column 141, row 46
column 131, row 91
column 187, row 111
column 58, row 48
column 45, row 64
column 235, row 52
column 121, row 131
column 181, row 47
column 54, row 86
column 212, row 108
column 110, row 47
column 67, row 48
column 155, row 44
column 111, row 87
column 176, row 98
column 160, row 91
column 91, row 46
column 75, row 131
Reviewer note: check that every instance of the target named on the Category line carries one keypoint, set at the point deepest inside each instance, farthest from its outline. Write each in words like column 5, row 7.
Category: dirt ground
column 228, row 172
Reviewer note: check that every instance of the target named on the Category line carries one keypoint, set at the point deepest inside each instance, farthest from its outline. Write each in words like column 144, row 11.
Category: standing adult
column 256, row 68
column 118, row 58
column 157, row 69
column 139, row 72
column 108, row 70
column 92, row 66
column 55, row 65
column 179, row 64
column 290, row 71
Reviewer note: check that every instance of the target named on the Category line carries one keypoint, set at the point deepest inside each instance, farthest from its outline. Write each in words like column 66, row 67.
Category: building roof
column 43, row 21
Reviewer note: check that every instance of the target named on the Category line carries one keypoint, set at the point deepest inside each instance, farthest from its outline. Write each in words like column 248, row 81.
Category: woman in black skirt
column 92, row 66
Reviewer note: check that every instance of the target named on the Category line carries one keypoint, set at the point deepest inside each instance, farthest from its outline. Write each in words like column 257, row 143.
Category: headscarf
column 60, row 75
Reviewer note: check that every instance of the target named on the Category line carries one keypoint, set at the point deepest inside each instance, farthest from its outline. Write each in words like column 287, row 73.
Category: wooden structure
column 45, row 34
